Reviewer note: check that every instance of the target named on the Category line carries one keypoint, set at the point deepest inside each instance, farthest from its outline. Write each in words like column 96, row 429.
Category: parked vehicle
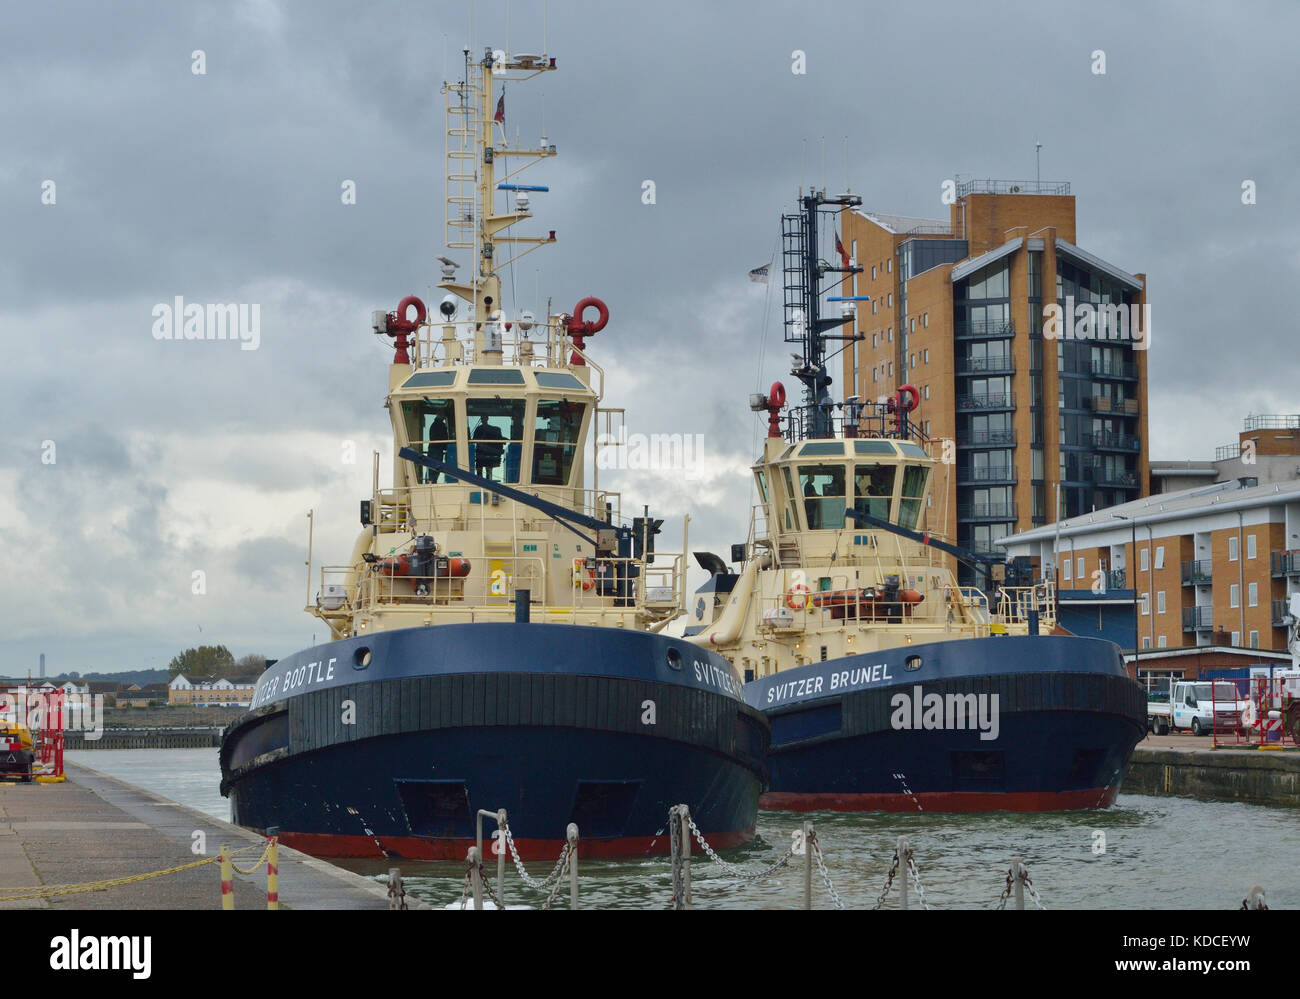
column 1159, row 711
column 1203, row 705
column 16, row 753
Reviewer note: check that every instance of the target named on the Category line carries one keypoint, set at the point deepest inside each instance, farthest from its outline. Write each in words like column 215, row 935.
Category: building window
column 927, row 395
column 1232, row 549
column 1160, row 557
column 1254, row 639
column 873, row 272
column 1145, row 602
column 1234, row 597
column 925, row 319
column 1250, row 546
column 1065, row 567
column 911, row 325
column 1079, row 567
column 889, row 266
column 1160, row 602
column 912, row 361
column 1144, row 557
column 926, row 355
column 1146, row 641
column 1252, row 594
column 874, row 303
column 1162, row 641
column 891, row 369
column 889, row 300
column 875, row 340
column 875, row 374
column 1236, row 639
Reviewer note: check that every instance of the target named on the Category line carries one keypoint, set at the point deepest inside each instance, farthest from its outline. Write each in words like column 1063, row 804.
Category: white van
column 1200, row 705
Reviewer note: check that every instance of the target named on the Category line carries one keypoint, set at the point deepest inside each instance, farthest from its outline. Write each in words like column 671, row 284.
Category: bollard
column 807, row 864
column 572, row 835
column 475, row 860
column 396, row 892
column 675, row 848
column 227, row 879
column 904, row 850
column 684, row 813
column 1018, row 877
column 273, row 873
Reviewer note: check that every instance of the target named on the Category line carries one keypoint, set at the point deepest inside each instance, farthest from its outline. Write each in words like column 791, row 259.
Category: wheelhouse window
column 555, row 440
column 909, row 509
column 873, row 489
column 431, row 429
column 496, row 430
column 822, row 487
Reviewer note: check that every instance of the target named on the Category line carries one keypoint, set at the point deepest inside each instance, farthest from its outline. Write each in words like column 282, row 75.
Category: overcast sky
column 172, row 457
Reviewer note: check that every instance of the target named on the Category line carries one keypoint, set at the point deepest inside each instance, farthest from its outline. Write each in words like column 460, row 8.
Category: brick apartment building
column 957, row 310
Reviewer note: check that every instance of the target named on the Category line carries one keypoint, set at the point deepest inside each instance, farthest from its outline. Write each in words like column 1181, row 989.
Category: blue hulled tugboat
column 495, row 634
column 889, row 686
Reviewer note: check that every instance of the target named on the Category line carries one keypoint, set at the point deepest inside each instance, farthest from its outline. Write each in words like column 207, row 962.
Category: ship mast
column 803, row 274
column 474, row 109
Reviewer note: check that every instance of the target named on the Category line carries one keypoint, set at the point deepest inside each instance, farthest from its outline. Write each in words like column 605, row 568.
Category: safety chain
column 464, row 892
column 1006, row 890
column 260, row 861
column 1030, row 889
column 916, row 879
column 562, row 868
column 889, row 882
column 733, row 869
column 821, row 867
column 532, row 882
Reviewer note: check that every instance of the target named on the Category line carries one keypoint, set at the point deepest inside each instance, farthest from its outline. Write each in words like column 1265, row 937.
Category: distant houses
column 215, row 692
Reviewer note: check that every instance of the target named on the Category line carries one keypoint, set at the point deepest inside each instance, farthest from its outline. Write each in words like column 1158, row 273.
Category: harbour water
column 1143, row 853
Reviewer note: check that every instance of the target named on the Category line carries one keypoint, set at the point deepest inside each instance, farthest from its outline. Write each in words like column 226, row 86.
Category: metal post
column 395, row 889
column 685, row 814
column 273, row 874
column 1018, row 877
column 572, row 834
column 807, row 864
column 501, row 857
column 675, row 847
column 227, row 879
column 1255, row 900
column 475, row 875
column 904, row 872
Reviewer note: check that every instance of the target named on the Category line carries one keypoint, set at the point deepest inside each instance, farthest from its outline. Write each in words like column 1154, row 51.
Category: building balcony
column 1113, row 369
column 1102, row 476
column 986, row 365
column 1198, row 573
column 984, row 401
column 1281, row 613
column 1113, row 442
column 1285, row 563
column 1198, row 619
column 988, row 329
column 1104, row 404
column 986, row 511
column 988, row 473
column 986, row 438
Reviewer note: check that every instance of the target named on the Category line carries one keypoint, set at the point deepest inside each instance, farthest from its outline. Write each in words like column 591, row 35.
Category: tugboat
column 495, row 634
column 888, row 686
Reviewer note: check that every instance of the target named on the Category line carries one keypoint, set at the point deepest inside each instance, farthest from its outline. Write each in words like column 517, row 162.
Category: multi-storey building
column 1267, row 450
column 1039, row 413
column 1214, row 565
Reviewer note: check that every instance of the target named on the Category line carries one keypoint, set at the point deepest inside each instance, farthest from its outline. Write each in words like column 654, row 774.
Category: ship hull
column 1042, row 723
column 554, row 723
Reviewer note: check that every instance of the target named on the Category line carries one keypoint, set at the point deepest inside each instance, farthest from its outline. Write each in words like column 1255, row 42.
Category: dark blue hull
column 1027, row 723
column 554, row 723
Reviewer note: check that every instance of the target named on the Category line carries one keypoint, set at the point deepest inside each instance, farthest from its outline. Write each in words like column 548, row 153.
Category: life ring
column 776, row 396
column 909, row 390
column 589, row 580
column 797, row 597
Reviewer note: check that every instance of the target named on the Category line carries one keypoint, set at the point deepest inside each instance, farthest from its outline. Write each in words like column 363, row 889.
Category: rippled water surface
column 1159, row 853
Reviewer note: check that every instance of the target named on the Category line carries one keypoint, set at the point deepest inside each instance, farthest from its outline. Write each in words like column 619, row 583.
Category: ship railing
column 1015, row 603
column 440, row 509
column 546, row 345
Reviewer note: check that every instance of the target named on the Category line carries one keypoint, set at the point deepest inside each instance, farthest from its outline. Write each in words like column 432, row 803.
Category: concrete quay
column 1190, row 766
column 95, row 827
